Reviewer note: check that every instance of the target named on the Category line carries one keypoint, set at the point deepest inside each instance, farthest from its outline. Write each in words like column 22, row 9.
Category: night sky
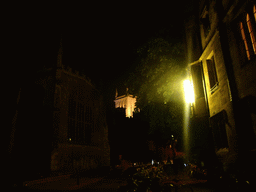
column 105, row 38
column 99, row 38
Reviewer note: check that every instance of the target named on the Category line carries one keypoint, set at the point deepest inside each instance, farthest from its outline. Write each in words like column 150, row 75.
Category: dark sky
column 106, row 37
column 100, row 38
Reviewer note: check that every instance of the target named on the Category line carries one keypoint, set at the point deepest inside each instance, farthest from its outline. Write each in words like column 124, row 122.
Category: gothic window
column 72, row 120
column 251, row 32
column 254, row 12
column 247, row 31
column 80, row 122
column 244, row 40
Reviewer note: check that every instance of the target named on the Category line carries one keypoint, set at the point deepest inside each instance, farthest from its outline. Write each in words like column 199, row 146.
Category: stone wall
column 68, row 158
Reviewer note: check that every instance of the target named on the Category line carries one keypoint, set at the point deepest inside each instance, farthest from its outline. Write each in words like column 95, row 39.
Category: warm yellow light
column 189, row 91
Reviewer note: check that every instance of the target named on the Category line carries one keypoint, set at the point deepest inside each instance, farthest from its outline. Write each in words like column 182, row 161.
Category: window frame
column 245, row 40
column 251, row 31
column 212, row 73
column 247, row 34
column 80, row 121
column 197, row 77
column 254, row 12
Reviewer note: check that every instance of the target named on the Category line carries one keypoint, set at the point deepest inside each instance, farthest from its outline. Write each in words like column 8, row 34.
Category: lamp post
column 189, row 100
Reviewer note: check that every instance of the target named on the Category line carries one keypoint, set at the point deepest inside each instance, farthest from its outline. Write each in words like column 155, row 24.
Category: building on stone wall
column 63, row 114
column 127, row 102
column 221, row 51
column 82, row 136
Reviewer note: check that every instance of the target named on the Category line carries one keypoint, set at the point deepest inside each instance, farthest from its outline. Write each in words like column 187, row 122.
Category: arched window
column 249, row 24
column 254, row 12
column 247, row 29
column 244, row 40
column 80, row 120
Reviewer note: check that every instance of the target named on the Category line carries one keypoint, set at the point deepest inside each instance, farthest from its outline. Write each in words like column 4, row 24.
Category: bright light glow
column 189, row 91
column 189, row 98
column 186, row 128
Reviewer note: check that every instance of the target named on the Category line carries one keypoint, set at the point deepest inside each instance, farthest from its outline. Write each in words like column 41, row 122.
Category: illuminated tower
column 126, row 101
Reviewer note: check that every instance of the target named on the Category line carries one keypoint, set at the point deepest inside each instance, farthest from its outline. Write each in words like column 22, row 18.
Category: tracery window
column 247, row 31
column 80, row 122
column 245, row 41
column 254, row 12
column 251, row 32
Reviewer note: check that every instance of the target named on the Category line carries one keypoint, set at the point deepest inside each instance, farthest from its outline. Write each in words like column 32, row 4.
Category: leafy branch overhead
column 159, row 75
column 157, row 83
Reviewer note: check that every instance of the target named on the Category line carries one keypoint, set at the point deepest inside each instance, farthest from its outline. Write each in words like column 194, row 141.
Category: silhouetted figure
column 174, row 161
column 169, row 157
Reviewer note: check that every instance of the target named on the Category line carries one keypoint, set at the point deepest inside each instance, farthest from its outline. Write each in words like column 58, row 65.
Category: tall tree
column 157, row 83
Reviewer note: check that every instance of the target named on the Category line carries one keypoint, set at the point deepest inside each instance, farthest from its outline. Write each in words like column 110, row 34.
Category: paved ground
column 65, row 184
column 110, row 182
column 118, row 185
column 106, row 184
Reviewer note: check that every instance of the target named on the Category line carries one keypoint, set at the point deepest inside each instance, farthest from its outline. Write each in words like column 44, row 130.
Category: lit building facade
column 126, row 101
column 221, row 53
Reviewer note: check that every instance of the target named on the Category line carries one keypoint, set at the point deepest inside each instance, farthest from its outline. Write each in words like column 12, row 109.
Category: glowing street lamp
column 189, row 91
column 189, row 111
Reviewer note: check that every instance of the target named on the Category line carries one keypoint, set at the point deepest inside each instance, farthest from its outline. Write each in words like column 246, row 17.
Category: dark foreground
column 118, row 181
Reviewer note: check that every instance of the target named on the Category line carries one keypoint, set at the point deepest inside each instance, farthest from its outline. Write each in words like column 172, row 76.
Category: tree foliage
column 157, row 83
